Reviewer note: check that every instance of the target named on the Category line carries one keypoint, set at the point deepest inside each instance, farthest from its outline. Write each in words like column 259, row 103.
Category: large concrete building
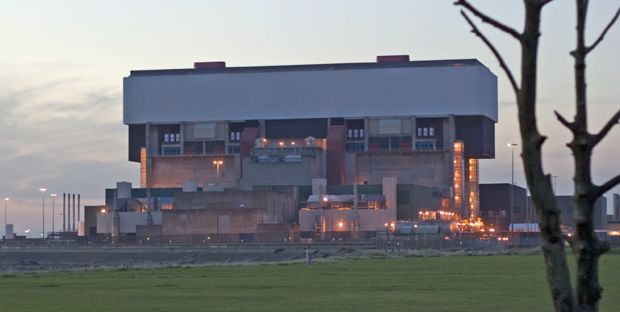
column 422, row 124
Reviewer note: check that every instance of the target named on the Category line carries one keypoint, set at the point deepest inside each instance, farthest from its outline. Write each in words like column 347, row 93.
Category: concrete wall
column 414, row 198
column 129, row 221
column 173, row 171
column 300, row 173
column 369, row 219
column 90, row 217
column 211, row 221
column 421, row 168
column 368, row 90
column 278, row 207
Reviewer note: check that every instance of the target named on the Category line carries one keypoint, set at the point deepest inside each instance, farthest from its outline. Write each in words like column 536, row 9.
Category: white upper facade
column 426, row 88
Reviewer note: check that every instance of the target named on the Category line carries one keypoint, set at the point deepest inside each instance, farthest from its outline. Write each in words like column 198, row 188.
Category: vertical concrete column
column 334, row 154
column 449, row 133
column 319, row 187
column 389, row 191
column 116, row 226
column 414, row 133
column 366, row 136
column 147, row 135
column 182, row 137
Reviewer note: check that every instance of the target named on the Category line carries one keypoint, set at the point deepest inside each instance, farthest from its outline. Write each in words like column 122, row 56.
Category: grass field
column 449, row 283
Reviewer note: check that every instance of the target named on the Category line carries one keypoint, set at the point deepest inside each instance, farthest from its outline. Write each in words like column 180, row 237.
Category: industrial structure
column 325, row 151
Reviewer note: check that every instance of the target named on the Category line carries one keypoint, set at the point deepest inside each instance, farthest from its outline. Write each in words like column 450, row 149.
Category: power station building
column 313, row 130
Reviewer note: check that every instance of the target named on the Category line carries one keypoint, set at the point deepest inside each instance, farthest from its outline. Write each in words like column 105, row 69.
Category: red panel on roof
column 392, row 58
column 201, row 65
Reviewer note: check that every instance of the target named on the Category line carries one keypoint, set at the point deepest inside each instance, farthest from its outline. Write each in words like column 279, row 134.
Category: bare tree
column 586, row 247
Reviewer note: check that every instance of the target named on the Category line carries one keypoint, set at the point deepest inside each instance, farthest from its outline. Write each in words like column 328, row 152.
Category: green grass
column 450, row 283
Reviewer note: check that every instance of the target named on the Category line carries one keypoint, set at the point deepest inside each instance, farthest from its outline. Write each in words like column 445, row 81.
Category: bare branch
column 602, row 35
column 475, row 30
column 614, row 120
column 487, row 19
column 563, row 121
column 607, row 186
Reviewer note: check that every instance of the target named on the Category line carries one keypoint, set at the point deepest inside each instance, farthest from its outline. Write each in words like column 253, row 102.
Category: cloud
column 61, row 132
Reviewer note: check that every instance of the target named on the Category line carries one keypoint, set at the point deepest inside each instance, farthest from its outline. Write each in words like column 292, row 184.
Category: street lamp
column 43, row 190
column 217, row 164
column 512, row 188
column 53, row 212
column 6, row 202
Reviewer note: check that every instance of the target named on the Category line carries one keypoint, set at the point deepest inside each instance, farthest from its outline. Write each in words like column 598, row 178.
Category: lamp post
column 6, row 203
column 43, row 190
column 217, row 164
column 512, row 188
column 53, row 212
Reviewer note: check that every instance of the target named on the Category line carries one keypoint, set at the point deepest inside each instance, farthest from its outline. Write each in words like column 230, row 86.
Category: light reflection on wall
column 474, row 201
column 458, row 179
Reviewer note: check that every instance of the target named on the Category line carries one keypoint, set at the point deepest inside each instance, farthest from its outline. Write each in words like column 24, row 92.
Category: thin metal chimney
column 78, row 210
column 64, row 225
column 73, row 218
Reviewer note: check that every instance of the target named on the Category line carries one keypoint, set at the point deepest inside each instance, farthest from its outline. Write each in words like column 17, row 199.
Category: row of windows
column 171, row 151
column 235, row 136
column 355, row 134
column 426, row 132
column 424, row 146
column 356, row 147
column 172, row 137
column 386, row 144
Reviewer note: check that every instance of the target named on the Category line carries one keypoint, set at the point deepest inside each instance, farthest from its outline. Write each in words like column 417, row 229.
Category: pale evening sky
column 62, row 64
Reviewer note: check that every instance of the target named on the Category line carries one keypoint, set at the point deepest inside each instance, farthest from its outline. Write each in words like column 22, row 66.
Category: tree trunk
column 587, row 247
column 558, row 277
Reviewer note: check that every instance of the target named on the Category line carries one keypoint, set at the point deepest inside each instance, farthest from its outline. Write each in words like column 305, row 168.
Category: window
column 171, row 151
column 214, row 147
column 355, row 147
column 424, row 146
column 193, row 148
column 426, row 132
column 235, row 136
column 355, row 129
column 172, row 138
column 234, row 149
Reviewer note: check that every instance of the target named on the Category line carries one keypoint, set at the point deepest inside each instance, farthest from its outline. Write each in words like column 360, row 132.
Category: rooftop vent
column 392, row 58
column 203, row 65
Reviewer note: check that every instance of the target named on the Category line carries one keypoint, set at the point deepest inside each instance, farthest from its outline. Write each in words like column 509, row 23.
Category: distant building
column 495, row 205
column 567, row 210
